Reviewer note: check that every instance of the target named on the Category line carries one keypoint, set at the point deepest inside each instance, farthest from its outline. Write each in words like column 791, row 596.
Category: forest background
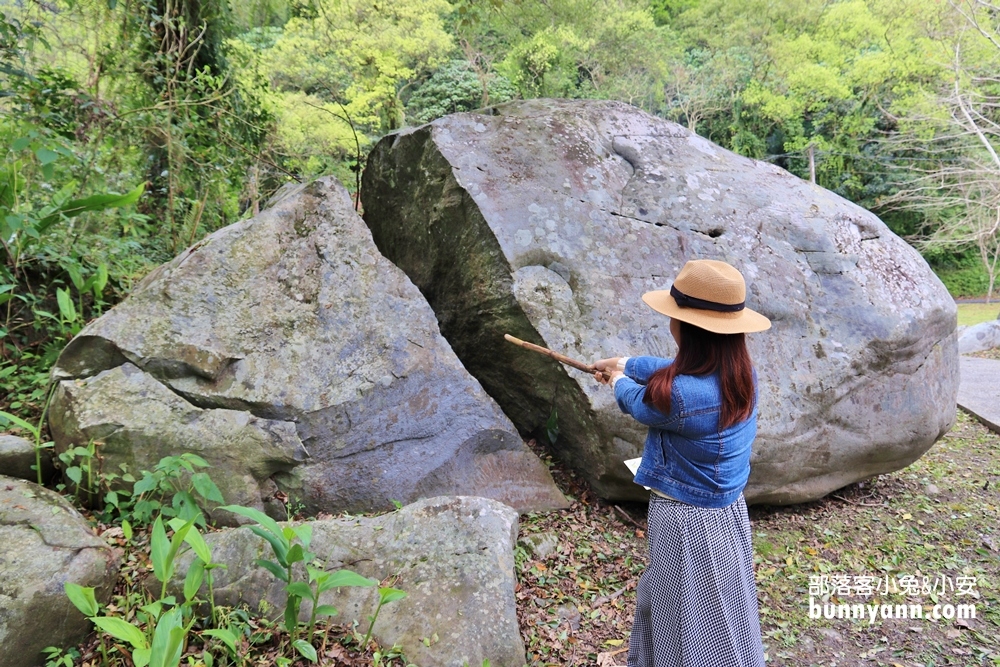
column 130, row 129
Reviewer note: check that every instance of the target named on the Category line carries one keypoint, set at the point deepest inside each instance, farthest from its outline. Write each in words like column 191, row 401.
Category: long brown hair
column 702, row 352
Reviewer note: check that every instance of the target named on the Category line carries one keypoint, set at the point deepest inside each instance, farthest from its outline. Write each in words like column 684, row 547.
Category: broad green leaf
column 46, row 156
column 66, row 308
column 198, row 544
column 75, row 474
column 224, row 635
column 82, row 598
column 168, row 640
column 75, row 276
column 304, row 532
column 159, row 547
column 306, row 649
column 140, row 657
column 255, row 515
column 127, row 530
column 195, row 460
column 20, row 143
column 206, row 488
column 100, row 280
column 326, row 610
column 192, row 582
column 274, row 569
column 278, row 544
column 292, row 613
column 175, row 544
column 386, row 595
column 342, row 578
column 300, row 589
column 92, row 203
column 121, row 630
column 296, row 554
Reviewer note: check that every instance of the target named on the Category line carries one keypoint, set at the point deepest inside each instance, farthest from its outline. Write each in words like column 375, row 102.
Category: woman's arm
column 629, row 393
column 641, row 369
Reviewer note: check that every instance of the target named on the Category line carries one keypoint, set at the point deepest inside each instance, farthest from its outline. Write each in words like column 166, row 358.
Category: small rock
column 952, row 633
column 17, row 456
column 931, row 490
column 45, row 543
column 568, row 613
column 830, row 635
column 541, row 545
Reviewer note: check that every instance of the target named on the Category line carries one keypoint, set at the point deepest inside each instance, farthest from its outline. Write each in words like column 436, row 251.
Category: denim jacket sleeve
column 641, row 368
column 629, row 395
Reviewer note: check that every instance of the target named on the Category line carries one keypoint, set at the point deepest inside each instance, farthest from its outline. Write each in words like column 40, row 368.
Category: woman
column 697, row 600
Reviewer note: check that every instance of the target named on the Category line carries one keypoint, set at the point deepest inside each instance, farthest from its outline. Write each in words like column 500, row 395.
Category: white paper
column 633, row 467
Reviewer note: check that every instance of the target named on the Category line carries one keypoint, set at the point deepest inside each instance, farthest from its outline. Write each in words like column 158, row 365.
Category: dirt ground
column 937, row 519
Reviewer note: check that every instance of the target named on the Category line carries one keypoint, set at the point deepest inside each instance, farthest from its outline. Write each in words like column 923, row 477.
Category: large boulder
column 980, row 337
column 548, row 219
column 45, row 543
column 453, row 556
column 291, row 355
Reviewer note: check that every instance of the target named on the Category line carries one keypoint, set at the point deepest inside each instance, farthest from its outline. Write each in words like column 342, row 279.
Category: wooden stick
column 579, row 365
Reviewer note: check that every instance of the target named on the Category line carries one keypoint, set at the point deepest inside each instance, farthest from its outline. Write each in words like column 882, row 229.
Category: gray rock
column 44, row 543
column 551, row 223
column 17, row 458
column 541, row 545
column 980, row 337
column 453, row 556
column 979, row 393
column 288, row 352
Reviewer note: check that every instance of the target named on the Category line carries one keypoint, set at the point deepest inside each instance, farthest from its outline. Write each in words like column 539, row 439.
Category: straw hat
column 709, row 294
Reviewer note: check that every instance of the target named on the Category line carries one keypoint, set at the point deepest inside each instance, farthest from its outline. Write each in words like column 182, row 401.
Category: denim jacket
column 686, row 456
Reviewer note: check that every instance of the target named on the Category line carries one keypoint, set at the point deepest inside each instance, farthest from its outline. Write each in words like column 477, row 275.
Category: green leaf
column 127, row 530
column 342, row 578
column 20, row 143
column 82, row 598
column 278, row 544
column 296, row 554
column 306, row 649
column 92, row 203
column 198, row 544
column 386, row 595
column 326, row 610
column 254, row 515
column 292, row 613
column 194, row 460
column 224, row 635
column 121, row 630
column 46, row 156
column 192, row 582
column 273, row 568
column 140, row 657
column 206, row 488
column 100, row 280
column 17, row 421
column 75, row 276
column 66, row 308
column 168, row 640
column 304, row 532
column 75, row 474
column 299, row 588
column 159, row 547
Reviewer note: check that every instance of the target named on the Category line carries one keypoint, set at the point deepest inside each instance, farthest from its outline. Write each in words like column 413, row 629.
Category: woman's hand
column 607, row 364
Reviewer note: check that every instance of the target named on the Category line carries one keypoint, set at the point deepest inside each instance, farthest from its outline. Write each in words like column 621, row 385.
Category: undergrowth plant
column 154, row 625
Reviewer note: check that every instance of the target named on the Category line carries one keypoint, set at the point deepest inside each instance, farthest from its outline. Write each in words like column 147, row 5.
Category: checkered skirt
column 697, row 600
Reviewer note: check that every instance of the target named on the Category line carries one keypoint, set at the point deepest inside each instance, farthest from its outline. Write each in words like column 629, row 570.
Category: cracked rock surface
column 453, row 556
column 291, row 355
column 44, row 543
column 548, row 220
